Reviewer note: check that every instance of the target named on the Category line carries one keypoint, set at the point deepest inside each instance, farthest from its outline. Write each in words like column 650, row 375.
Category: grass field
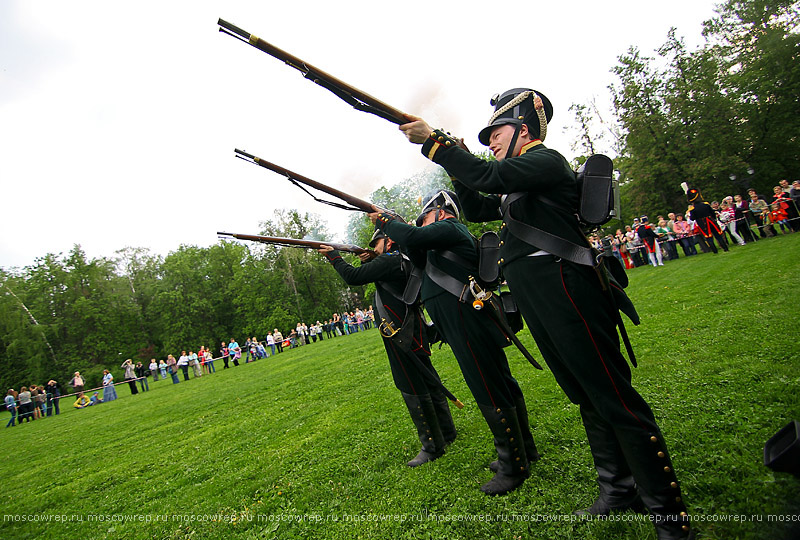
column 313, row 443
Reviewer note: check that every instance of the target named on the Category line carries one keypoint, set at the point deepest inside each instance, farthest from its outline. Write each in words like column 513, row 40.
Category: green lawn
column 313, row 443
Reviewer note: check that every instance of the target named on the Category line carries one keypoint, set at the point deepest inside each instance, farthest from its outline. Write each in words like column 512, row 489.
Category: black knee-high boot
column 446, row 424
column 512, row 460
column 614, row 478
column 430, row 435
column 649, row 461
column 527, row 436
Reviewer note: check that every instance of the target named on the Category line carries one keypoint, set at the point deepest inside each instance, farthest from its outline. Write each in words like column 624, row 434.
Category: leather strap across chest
column 542, row 239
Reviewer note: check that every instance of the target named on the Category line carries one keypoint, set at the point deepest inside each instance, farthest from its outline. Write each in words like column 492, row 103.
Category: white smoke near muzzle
column 434, row 104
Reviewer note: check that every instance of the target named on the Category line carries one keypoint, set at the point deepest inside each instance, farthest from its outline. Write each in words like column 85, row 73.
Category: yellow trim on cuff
column 435, row 147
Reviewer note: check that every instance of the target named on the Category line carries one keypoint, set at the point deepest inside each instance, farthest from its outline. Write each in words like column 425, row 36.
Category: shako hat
column 442, row 199
column 519, row 106
column 377, row 235
column 693, row 194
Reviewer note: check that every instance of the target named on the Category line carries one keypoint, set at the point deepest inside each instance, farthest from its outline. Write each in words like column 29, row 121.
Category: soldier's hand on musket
column 417, row 131
column 366, row 256
column 325, row 249
column 373, row 216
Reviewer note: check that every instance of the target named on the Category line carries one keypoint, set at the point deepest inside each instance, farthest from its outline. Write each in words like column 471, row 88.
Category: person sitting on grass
column 82, row 402
column 95, row 399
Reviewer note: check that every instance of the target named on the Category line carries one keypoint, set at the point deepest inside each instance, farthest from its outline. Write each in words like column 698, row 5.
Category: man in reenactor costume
column 650, row 239
column 447, row 251
column 706, row 218
column 566, row 304
column 409, row 358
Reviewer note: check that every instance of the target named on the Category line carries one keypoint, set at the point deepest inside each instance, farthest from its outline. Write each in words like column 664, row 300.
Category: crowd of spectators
column 740, row 220
column 37, row 401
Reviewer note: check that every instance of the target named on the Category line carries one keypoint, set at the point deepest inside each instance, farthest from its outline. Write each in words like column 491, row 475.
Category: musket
column 294, row 242
column 356, row 98
column 355, row 204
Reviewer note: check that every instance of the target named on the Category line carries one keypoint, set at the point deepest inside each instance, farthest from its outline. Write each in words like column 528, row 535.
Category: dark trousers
column 132, row 385
column 475, row 342
column 25, row 412
column 412, row 370
column 794, row 219
column 52, row 403
column 573, row 323
column 743, row 229
column 185, row 370
column 687, row 243
column 638, row 257
column 709, row 241
column 671, row 249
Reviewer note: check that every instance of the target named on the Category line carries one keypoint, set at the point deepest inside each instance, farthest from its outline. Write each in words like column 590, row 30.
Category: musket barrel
column 350, row 94
column 295, row 242
column 233, row 28
column 361, row 204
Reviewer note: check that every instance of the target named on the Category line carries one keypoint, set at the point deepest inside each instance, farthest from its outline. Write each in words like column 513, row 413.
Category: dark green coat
column 537, row 171
column 385, row 271
column 477, row 342
column 572, row 320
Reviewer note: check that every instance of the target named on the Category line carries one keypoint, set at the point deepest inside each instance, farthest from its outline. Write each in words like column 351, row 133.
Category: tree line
column 68, row 313
column 723, row 118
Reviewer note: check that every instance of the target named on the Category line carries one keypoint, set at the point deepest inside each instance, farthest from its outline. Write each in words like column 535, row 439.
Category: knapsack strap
column 544, row 240
column 447, row 282
column 459, row 260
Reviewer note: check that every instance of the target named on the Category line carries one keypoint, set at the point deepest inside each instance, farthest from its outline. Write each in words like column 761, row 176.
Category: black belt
column 544, row 240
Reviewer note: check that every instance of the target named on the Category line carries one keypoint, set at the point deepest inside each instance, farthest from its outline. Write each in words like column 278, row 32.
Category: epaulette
column 437, row 140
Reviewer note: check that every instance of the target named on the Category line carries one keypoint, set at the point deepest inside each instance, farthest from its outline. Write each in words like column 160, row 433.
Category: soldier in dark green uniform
column 443, row 245
column 564, row 304
column 412, row 371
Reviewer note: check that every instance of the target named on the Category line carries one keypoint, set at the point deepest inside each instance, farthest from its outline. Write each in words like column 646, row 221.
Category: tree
column 313, row 285
column 403, row 198
column 197, row 298
column 757, row 44
column 707, row 116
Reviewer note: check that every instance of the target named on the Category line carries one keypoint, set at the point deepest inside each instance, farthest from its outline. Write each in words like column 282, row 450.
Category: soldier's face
column 500, row 139
column 381, row 247
column 430, row 217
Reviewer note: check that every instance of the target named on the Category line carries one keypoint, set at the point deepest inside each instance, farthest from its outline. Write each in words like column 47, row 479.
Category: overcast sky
column 118, row 121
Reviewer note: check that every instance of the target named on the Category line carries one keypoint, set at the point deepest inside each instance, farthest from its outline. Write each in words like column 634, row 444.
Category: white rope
column 510, row 105
column 538, row 107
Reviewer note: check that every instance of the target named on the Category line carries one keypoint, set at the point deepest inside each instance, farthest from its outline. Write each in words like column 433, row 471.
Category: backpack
column 598, row 199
